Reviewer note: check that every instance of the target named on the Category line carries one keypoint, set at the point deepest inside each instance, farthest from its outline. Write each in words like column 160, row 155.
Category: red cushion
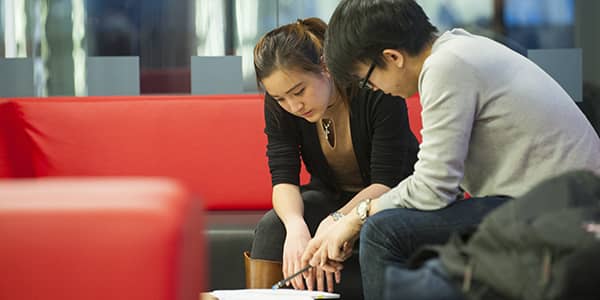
column 15, row 147
column 413, row 104
column 99, row 239
column 5, row 169
column 213, row 144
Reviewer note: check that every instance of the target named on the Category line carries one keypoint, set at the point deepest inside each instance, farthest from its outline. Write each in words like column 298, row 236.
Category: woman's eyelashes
column 297, row 94
column 300, row 92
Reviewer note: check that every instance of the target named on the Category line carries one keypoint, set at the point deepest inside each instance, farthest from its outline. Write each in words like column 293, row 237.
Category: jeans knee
column 378, row 228
column 386, row 232
column 368, row 230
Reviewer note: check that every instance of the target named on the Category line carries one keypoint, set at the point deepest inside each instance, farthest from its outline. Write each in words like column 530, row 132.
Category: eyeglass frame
column 365, row 80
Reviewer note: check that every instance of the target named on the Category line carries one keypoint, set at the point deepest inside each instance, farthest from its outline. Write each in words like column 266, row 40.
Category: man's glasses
column 365, row 81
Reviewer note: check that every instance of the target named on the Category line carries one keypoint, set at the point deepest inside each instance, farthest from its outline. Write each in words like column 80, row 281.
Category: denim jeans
column 430, row 282
column 390, row 237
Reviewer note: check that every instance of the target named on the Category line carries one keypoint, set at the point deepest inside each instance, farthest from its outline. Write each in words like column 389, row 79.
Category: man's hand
column 330, row 249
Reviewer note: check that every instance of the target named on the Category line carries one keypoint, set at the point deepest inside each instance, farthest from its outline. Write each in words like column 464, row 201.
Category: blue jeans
column 430, row 282
column 390, row 237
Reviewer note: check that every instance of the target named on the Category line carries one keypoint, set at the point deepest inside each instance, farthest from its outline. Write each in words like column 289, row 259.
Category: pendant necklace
column 327, row 130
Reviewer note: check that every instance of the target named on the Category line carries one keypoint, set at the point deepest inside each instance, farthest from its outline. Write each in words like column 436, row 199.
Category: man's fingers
column 330, row 283
column 309, row 251
column 338, row 277
column 320, row 285
column 333, row 266
column 347, row 250
column 322, row 255
column 335, row 251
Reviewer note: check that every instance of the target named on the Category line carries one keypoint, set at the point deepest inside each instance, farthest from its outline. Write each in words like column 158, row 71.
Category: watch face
column 362, row 209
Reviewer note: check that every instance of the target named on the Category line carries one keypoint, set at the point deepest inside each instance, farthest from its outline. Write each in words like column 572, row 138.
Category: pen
column 282, row 282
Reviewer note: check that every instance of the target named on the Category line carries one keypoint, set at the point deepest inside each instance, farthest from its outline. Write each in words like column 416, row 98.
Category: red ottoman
column 126, row 238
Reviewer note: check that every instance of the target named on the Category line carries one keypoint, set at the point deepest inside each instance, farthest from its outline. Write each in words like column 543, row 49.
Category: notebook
column 269, row 294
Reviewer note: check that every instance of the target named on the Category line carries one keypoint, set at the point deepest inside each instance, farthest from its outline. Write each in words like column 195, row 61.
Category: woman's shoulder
column 369, row 98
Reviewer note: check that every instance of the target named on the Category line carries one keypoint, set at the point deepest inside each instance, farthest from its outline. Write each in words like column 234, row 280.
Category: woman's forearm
column 287, row 202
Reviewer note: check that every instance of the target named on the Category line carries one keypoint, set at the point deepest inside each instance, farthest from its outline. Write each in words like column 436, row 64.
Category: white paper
column 268, row 294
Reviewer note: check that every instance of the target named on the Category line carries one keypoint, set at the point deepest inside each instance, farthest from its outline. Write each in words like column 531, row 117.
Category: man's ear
column 394, row 57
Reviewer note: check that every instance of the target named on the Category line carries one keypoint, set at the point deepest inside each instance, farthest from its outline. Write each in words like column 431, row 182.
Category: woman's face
column 301, row 93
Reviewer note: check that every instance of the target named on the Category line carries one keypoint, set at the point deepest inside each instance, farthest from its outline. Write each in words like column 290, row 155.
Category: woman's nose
column 297, row 106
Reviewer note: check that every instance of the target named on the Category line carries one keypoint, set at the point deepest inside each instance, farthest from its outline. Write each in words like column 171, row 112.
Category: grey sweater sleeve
column 449, row 92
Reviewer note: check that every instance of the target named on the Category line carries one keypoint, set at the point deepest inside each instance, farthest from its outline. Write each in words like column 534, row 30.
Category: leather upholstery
column 213, row 145
column 99, row 239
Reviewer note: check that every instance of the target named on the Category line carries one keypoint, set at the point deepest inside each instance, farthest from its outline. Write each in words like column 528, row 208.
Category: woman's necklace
column 327, row 130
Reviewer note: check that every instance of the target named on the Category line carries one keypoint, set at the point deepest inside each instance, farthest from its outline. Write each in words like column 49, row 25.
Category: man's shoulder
column 447, row 69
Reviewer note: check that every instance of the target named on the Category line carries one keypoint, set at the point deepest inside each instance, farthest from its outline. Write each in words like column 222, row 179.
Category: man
column 494, row 125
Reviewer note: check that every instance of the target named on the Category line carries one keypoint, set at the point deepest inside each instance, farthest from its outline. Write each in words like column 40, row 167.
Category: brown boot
column 261, row 273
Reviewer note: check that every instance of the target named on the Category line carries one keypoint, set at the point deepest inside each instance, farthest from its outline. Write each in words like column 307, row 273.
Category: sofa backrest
column 413, row 104
column 5, row 170
column 215, row 145
column 14, row 157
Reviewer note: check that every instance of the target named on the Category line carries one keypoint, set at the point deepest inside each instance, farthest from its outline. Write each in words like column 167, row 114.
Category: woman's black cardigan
column 385, row 147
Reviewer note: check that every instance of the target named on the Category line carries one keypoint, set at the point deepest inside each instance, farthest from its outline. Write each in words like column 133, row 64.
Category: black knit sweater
column 385, row 148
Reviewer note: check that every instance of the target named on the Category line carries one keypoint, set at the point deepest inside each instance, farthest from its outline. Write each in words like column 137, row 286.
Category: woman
column 355, row 143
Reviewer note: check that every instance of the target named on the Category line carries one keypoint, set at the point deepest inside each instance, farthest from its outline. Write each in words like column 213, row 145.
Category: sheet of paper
column 268, row 294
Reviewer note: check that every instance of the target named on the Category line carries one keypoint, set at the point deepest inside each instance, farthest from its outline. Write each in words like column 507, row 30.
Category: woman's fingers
column 298, row 280
column 309, row 278
column 286, row 267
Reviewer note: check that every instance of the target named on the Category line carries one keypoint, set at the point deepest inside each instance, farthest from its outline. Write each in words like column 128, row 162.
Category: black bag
column 543, row 245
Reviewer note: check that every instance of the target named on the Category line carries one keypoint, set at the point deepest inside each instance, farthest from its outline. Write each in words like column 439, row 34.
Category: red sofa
column 213, row 145
column 99, row 238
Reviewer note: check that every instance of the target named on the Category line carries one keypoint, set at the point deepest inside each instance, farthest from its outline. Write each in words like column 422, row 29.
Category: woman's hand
column 296, row 239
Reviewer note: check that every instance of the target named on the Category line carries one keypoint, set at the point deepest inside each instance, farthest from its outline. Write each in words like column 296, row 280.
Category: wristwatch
column 362, row 209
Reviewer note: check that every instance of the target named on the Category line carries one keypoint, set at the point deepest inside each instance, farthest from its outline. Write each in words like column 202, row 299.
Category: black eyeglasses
column 365, row 81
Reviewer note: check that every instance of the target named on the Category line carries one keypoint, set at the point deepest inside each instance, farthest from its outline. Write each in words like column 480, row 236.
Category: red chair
column 99, row 239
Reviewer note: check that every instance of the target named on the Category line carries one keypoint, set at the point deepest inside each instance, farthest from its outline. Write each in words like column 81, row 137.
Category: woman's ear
column 394, row 57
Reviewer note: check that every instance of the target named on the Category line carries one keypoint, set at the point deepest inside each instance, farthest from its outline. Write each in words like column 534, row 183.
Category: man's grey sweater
column 494, row 123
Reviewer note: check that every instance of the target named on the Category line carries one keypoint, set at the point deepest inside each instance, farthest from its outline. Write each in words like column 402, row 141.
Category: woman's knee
column 269, row 224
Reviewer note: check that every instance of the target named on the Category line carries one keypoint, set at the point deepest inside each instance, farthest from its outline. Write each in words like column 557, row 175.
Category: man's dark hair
column 359, row 30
